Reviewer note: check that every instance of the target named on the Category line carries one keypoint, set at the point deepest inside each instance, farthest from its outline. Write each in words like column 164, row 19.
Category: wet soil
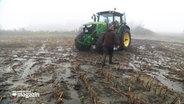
column 149, row 72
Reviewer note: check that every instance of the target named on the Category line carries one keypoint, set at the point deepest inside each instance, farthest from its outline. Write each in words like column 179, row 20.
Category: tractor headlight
column 88, row 26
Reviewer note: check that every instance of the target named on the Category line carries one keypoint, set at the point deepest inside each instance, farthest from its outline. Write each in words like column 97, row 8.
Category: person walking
column 109, row 40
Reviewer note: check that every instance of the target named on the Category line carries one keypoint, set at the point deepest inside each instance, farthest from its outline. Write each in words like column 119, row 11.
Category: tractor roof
column 110, row 12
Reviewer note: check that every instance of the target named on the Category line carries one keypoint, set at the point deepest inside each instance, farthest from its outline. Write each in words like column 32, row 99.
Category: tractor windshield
column 108, row 18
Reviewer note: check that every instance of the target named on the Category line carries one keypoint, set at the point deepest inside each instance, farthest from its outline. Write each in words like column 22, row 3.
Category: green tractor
column 91, row 34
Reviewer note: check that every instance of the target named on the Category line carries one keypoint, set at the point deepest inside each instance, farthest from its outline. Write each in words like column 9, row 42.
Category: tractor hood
column 95, row 23
column 94, row 27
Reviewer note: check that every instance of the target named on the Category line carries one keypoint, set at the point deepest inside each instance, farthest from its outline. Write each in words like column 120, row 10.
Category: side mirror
column 93, row 17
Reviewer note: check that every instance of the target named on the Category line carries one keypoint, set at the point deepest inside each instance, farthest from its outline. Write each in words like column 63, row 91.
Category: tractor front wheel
column 79, row 45
column 125, row 40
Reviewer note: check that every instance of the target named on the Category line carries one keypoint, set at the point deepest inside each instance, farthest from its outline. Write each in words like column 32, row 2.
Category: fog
column 157, row 15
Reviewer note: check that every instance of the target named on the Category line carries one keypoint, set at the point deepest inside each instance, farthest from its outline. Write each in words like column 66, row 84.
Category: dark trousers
column 107, row 51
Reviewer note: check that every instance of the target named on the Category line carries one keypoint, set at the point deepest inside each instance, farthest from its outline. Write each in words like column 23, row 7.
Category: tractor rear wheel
column 80, row 46
column 125, row 40
column 99, row 44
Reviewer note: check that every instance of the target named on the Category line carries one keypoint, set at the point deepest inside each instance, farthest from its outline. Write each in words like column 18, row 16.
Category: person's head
column 111, row 27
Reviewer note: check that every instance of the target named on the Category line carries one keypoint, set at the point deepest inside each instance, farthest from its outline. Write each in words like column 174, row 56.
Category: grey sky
column 157, row 15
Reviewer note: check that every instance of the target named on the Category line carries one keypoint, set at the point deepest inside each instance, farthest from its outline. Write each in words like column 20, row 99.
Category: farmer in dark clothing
column 109, row 40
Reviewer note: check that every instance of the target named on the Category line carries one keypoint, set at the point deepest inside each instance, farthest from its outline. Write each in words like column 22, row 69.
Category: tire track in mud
column 44, row 69
column 146, row 66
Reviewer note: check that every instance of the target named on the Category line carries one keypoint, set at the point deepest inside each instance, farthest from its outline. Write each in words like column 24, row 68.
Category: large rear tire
column 99, row 44
column 80, row 46
column 125, row 40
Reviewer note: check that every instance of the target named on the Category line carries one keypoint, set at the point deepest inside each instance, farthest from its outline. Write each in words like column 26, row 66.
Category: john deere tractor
column 92, row 32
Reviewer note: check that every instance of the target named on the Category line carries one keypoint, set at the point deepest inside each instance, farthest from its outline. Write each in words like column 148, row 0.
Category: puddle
column 45, row 78
column 28, row 68
column 7, row 69
column 15, row 56
column 64, row 72
column 75, row 98
column 176, row 86
column 17, row 83
column 19, row 59
column 142, row 47
column 60, row 49
column 133, row 66
column 47, row 61
column 42, row 50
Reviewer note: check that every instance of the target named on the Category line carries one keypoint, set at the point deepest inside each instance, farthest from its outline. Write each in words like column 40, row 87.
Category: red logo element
column 14, row 95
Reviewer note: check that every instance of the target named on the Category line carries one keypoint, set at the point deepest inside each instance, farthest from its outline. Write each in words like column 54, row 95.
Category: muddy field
column 150, row 72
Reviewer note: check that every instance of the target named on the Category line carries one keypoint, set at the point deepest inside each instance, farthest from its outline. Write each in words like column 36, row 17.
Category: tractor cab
column 110, row 17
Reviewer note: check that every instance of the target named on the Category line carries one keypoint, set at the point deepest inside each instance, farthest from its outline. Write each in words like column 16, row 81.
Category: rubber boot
column 110, row 60
column 103, row 60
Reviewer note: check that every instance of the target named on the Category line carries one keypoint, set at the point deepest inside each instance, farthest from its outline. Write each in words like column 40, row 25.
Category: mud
column 150, row 72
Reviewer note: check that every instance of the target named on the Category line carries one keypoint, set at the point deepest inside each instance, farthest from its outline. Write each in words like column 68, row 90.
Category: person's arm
column 103, row 36
column 116, row 41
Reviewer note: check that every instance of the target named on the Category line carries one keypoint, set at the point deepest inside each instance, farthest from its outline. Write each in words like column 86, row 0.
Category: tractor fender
column 127, row 27
column 123, row 28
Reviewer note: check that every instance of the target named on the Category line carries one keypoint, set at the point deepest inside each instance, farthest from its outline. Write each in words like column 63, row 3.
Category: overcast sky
column 157, row 15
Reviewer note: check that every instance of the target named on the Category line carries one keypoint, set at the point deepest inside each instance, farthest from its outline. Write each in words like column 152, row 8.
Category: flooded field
column 150, row 72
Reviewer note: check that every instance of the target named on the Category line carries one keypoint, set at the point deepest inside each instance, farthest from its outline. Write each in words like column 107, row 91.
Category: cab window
column 117, row 18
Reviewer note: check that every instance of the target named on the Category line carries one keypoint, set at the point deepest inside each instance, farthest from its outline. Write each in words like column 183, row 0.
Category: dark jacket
column 109, row 39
